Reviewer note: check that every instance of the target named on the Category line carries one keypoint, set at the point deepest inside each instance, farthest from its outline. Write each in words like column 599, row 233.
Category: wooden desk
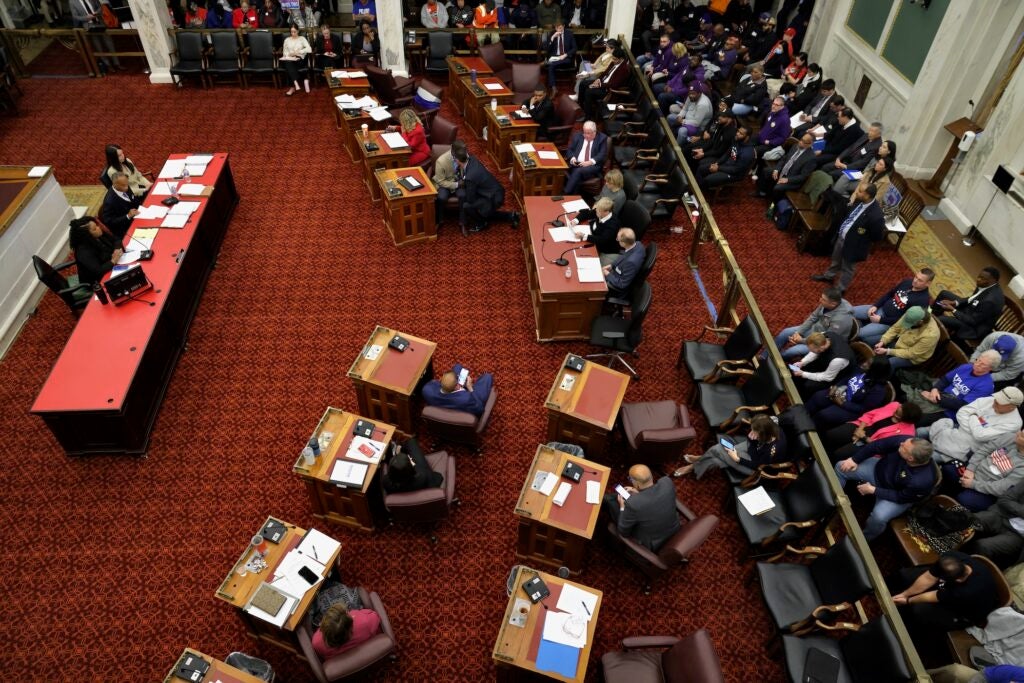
column 501, row 137
column 357, row 87
column 516, row 646
column 219, row 671
column 105, row 389
column 336, row 503
column 585, row 413
column 240, row 585
column 552, row 535
column 353, row 123
column 385, row 386
column 478, row 96
column 382, row 158
column 546, row 176
column 410, row 216
column 459, row 74
column 563, row 308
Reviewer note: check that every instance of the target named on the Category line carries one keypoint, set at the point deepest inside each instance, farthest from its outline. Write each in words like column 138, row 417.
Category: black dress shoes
column 821, row 277
column 514, row 221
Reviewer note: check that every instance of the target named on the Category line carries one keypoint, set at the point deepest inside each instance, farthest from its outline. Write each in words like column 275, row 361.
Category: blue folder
column 558, row 658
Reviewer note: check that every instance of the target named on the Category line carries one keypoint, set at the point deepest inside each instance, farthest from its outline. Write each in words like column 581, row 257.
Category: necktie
column 558, row 49
column 586, row 151
column 848, row 223
column 789, row 164
column 817, row 107
column 88, row 7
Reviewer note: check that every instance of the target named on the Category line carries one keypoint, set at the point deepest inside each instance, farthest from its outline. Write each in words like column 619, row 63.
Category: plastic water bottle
column 568, row 272
column 472, row 76
column 308, row 457
column 185, row 177
column 494, row 104
column 174, row 189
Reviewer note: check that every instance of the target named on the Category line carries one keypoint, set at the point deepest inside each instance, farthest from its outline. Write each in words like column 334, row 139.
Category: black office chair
column 629, row 116
column 105, row 179
column 650, row 258
column 645, row 180
column 703, row 359
column 439, row 47
column 636, row 217
column 189, row 48
column 259, row 58
column 74, row 293
column 669, row 195
column 639, row 147
column 621, row 336
column 222, row 58
column 867, row 655
column 726, row 405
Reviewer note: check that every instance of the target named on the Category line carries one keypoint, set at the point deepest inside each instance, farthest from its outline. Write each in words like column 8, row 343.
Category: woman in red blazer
column 412, row 130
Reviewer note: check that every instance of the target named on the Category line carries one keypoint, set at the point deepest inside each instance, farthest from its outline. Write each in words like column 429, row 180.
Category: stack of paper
column 191, row 189
column 577, row 601
column 349, row 473
column 365, row 450
column 38, row 171
column 367, row 102
column 379, row 113
column 544, row 154
column 173, row 168
column 589, row 269
column 318, row 545
column 288, row 579
column 575, row 205
column 564, row 489
column 524, row 147
column 162, row 189
column 593, row 492
column 151, row 212
column 353, row 74
column 494, row 86
column 196, row 164
column 345, row 99
column 394, row 140
column 145, row 237
column 756, row 501
column 564, row 234
column 184, row 208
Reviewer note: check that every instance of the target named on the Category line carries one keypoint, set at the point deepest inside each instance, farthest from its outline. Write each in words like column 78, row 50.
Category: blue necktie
column 854, row 215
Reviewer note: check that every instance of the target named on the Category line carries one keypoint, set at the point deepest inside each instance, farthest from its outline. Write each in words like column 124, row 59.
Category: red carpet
column 113, row 562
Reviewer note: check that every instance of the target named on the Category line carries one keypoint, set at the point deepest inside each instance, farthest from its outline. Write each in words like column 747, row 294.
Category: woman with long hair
column 293, row 53
column 96, row 249
column 412, row 132
column 118, row 162
column 765, row 444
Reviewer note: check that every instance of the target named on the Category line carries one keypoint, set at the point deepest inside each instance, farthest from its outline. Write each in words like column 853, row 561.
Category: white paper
column 895, row 225
column 352, row 74
column 554, row 630
column 366, row 101
column 195, row 170
column 373, row 352
column 756, row 501
column 173, row 168
column 589, row 269
column 286, row 575
column 191, row 189
column 379, row 114
column 162, row 189
column 593, row 492
column 358, row 441
column 318, row 545
column 795, row 121
column 549, row 484
column 345, row 99
column 576, row 600
column 338, row 74
column 582, row 230
column 394, row 140
column 141, row 242
column 174, row 221
column 184, row 208
column 575, row 205
column 494, row 86
column 524, row 147
column 545, row 154
column 563, row 234
column 38, row 171
column 563, row 492
column 621, row 490
column 198, row 159
column 282, row 614
column 152, row 211
column 349, row 473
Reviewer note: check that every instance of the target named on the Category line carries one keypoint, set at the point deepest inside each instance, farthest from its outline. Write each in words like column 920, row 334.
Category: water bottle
column 472, row 76
column 315, row 445
column 174, row 189
column 494, row 104
column 185, row 177
column 568, row 272
column 308, row 457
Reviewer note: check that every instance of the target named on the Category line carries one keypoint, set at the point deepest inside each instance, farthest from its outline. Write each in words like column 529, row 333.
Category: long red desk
column 105, row 389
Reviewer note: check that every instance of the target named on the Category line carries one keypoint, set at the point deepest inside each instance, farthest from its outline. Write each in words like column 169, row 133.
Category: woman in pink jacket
column 892, row 419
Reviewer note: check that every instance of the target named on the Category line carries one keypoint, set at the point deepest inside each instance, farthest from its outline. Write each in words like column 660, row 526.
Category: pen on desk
column 586, row 608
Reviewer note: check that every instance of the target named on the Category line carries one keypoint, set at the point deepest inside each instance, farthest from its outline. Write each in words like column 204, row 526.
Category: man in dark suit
column 482, row 196
column 587, row 153
column 818, row 108
column 541, row 109
column 794, row 168
column 846, row 132
column 470, row 397
column 614, row 77
column 857, row 156
column 730, row 167
column 714, row 142
column 620, row 274
column 120, row 206
column 862, row 225
column 561, row 50
column 649, row 515
column 974, row 316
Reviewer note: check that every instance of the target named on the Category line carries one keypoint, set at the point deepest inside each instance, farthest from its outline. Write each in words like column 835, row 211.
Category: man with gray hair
column 1011, row 350
column 620, row 274
column 120, row 206
column 856, row 156
column 587, row 153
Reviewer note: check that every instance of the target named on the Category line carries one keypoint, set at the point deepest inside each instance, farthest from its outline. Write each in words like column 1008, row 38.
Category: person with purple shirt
column 724, row 59
column 678, row 86
column 774, row 127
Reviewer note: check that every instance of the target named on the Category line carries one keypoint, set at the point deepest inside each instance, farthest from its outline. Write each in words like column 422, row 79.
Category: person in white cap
column 1011, row 347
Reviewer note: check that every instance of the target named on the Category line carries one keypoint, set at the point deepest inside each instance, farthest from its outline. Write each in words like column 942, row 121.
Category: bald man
column 649, row 515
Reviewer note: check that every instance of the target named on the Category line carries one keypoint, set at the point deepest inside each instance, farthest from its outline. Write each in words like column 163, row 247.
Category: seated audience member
column 788, row 94
column 892, row 419
column 692, row 116
column 796, row 69
column 460, row 15
column 829, row 359
column 541, row 109
column 676, row 62
column 649, row 515
column 790, row 173
column 245, row 16
column 861, row 392
column 364, row 12
column 657, row 62
column 714, row 142
column 838, row 138
column 780, row 54
column 604, row 231
column 587, row 153
column 96, row 249
column 561, row 50
column 956, row 592
column 522, row 15
column 614, row 77
column 758, row 39
column 366, row 45
column 195, row 17
column 619, row 274
column 765, row 444
column 909, row 292
column 750, row 94
column 270, row 15
column 328, row 54
column 857, row 155
column 897, row 471
column 807, row 88
column 971, row 317
column 597, row 69
column 958, row 387
column 612, row 189
column 718, row 65
column 433, row 15
column 448, row 393
column 879, row 175
column 675, row 90
column 911, row 340
column 408, row 470
column 341, row 630
column 117, row 162
column 833, row 314
column 814, row 109
column 730, row 167
column 448, row 176
column 1011, row 350
column 412, row 132
column 1000, row 538
column 482, row 196
column 120, row 206
column 845, row 186
column 305, row 16
column 774, row 127
column 293, row 57
column 584, row 13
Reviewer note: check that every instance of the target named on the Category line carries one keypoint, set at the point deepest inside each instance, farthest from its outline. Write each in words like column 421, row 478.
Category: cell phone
column 620, row 489
column 463, row 376
column 308, row 574
column 794, row 366
column 726, row 444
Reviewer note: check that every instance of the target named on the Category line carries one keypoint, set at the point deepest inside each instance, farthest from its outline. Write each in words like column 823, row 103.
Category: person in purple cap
column 692, row 115
column 1011, row 348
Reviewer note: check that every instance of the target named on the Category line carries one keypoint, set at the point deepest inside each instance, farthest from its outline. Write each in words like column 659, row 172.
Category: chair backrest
column 634, row 215
column 567, row 111
column 1011, row 319
column 873, row 653
column 494, row 55
column 854, row 330
column 650, row 258
column 422, row 506
column 808, row 497
column 525, row 77
column 910, row 207
column 225, row 46
column 439, row 44
column 190, row 46
column 744, row 341
column 764, row 387
column 862, row 350
column 693, row 659
column 630, row 186
column 840, row 575
column 105, row 179
column 261, row 45
column 443, row 131
column 48, row 276
column 1004, row 597
column 676, row 185
column 639, row 303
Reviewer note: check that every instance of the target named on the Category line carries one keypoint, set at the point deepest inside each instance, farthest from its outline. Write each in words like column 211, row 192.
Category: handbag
column 109, row 18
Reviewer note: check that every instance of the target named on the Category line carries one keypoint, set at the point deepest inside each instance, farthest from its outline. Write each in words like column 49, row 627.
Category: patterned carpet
column 113, row 562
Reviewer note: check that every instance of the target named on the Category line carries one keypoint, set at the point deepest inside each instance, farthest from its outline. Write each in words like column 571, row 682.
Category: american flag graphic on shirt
column 1001, row 461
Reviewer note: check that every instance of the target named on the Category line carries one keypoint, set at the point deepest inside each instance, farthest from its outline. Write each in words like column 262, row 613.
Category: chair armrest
column 613, row 335
column 414, row 498
column 685, row 511
column 359, row 657
column 403, row 101
column 81, row 285
column 485, row 416
column 659, row 178
column 637, row 549
column 65, row 265
column 457, row 418
column 663, row 200
column 693, row 535
column 305, row 639
column 667, row 435
column 385, row 623
column 639, row 642
column 807, row 551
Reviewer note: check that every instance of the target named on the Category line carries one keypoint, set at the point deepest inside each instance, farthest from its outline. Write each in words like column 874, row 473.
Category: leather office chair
column 393, row 91
column 704, row 360
column 494, row 55
column 427, row 115
column 868, row 655
column 442, row 131
column 669, row 196
column 621, row 336
column 189, row 50
column 525, row 79
column 799, row 508
column 629, row 116
column 633, row 215
column 567, row 115
column 429, row 505
column 74, row 293
column 639, row 147
column 645, row 180
column 724, row 405
column 457, row 426
column 223, row 58
column 656, row 659
column 258, row 57
column 803, row 597
column 676, row 551
column 357, row 659
column 657, row 431
column 439, row 47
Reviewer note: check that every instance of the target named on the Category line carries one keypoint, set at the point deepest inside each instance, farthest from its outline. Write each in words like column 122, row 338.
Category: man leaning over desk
column 455, row 392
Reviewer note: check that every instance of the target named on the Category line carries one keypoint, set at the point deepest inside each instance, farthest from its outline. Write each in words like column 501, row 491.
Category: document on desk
column 559, row 629
column 145, row 236
column 318, row 545
column 184, row 208
column 544, row 154
column 288, row 578
column 494, row 86
column 524, row 147
column 564, row 489
column 38, row 171
column 756, row 501
column 563, row 234
column 349, row 473
column 575, row 205
column 345, row 99
column 366, row 101
column 394, row 140
column 152, row 212
column 593, row 492
column 577, row 601
column 588, row 268
column 198, row 159
column 175, row 220
column 365, row 450
column 282, row 614
column 353, row 74
column 191, row 189
column 795, row 121
column 379, row 113
column 545, row 482
column 162, row 189
column 173, row 168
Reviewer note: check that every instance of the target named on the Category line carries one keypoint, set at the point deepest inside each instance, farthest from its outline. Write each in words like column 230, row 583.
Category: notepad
column 175, row 221
column 494, row 86
column 379, row 114
column 162, row 189
column 394, row 140
column 38, row 171
column 563, row 234
column 563, row 628
column 544, row 154
column 588, row 268
column 593, row 492
column 145, row 235
column 349, row 473
column 173, row 168
column 795, row 121
column 184, row 208
column 524, row 147
column 564, row 489
column 191, row 189
column 361, row 446
column 318, row 545
column 550, row 479
column 756, row 501
column 575, row 205
column 152, row 212
column 576, row 600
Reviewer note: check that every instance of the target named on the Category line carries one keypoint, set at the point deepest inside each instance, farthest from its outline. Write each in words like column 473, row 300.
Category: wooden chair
column 909, row 209
column 915, row 549
column 812, row 225
column 946, row 357
column 1011, row 319
column 961, row 642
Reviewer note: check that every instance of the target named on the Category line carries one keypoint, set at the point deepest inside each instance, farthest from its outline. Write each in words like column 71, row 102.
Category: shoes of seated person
column 761, row 195
column 514, row 221
column 478, row 227
column 821, row 277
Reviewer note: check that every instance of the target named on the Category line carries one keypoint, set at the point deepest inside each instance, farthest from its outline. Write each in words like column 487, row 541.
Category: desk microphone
column 557, row 222
column 561, row 260
column 146, row 254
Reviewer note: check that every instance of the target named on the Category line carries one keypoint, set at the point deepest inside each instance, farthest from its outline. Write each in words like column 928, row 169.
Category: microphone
column 561, row 260
column 145, row 254
column 557, row 222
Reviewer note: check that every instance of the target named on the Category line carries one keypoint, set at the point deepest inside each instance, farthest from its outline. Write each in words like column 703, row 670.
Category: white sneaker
column 574, row 97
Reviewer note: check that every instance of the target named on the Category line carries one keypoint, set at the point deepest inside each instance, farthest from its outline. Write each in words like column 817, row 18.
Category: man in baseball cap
column 1011, row 348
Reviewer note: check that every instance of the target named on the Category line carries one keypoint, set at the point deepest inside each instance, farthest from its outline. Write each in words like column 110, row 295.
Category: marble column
column 619, row 20
column 390, row 32
column 152, row 23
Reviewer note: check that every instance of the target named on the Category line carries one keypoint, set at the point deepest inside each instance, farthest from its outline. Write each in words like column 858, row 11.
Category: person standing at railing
column 86, row 14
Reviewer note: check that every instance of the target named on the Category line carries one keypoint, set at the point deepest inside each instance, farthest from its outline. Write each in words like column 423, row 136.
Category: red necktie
column 586, row 151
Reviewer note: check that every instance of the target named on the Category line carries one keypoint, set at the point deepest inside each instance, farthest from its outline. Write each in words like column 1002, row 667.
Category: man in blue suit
column 587, row 154
column 620, row 275
column 561, row 50
column 468, row 398
column 863, row 224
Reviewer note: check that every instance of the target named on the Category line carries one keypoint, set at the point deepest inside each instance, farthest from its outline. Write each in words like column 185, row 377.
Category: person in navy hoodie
column 448, row 393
